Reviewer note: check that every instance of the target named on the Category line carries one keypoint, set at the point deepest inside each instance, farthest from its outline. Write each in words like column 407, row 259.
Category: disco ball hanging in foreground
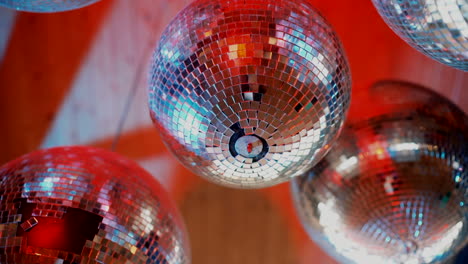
column 438, row 28
column 45, row 6
column 84, row 205
column 393, row 189
column 249, row 93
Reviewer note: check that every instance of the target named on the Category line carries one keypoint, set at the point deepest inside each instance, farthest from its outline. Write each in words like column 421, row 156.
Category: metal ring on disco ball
column 249, row 93
column 45, row 6
column 393, row 189
column 85, row 205
column 437, row 28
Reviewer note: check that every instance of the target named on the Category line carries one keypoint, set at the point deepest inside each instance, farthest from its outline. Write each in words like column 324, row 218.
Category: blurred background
column 66, row 79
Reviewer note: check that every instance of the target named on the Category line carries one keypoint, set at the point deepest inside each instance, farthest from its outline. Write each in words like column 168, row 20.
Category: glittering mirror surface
column 393, row 189
column 85, row 205
column 45, row 6
column 438, row 28
column 249, row 93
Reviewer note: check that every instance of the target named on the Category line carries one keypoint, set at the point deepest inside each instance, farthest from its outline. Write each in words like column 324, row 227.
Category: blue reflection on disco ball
column 394, row 187
column 437, row 28
column 45, row 6
column 462, row 257
column 249, row 93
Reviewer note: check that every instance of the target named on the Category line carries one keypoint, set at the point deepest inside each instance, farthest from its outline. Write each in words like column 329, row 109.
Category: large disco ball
column 437, row 28
column 84, row 205
column 249, row 93
column 45, row 6
column 393, row 189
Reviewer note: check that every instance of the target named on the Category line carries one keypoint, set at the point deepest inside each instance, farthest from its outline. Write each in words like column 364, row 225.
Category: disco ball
column 437, row 28
column 84, row 205
column 249, row 93
column 393, row 189
column 45, row 6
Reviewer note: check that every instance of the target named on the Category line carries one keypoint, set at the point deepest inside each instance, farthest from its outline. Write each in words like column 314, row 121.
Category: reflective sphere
column 45, row 6
column 85, row 205
column 249, row 93
column 393, row 189
column 437, row 28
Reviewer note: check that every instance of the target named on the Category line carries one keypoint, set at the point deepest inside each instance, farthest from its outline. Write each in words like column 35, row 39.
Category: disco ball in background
column 393, row 189
column 84, row 205
column 45, row 6
column 249, row 93
column 438, row 28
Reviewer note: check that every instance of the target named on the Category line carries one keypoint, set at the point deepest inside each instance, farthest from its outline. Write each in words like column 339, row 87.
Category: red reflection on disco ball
column 249, row 93
column 394, row 187
column 86, row 205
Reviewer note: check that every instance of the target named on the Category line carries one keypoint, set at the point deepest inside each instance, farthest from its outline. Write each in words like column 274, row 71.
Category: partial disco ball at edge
column 437, row 28
column 393, row 189
column 85, row 205
column 45, row 6
column 249, row 93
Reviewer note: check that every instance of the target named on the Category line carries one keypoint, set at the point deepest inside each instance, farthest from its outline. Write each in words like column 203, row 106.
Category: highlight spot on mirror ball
column 393, row 189
column 437, row 28
column 86, row 205
column 249, row 93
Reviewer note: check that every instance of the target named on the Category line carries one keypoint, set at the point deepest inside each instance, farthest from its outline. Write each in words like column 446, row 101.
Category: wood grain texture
column 236, row 226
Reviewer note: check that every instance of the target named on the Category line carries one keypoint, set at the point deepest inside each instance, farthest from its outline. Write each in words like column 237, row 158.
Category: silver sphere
column 437, row 28
column 45, row 6
column 86, row 205
column 393, row 189
column 249, row 93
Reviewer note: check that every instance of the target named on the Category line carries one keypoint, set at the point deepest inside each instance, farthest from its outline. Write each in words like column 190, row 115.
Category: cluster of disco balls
column 249, row 94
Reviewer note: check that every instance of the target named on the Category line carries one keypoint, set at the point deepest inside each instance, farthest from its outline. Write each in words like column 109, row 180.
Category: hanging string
column 130, row 98
column 141, row 69
column 153, row 24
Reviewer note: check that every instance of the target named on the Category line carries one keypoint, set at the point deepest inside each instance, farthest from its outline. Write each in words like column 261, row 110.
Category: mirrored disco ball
column 393, row 189
column 249, row 93
column 45, row 6
column 85, row 205
column 437, row 28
